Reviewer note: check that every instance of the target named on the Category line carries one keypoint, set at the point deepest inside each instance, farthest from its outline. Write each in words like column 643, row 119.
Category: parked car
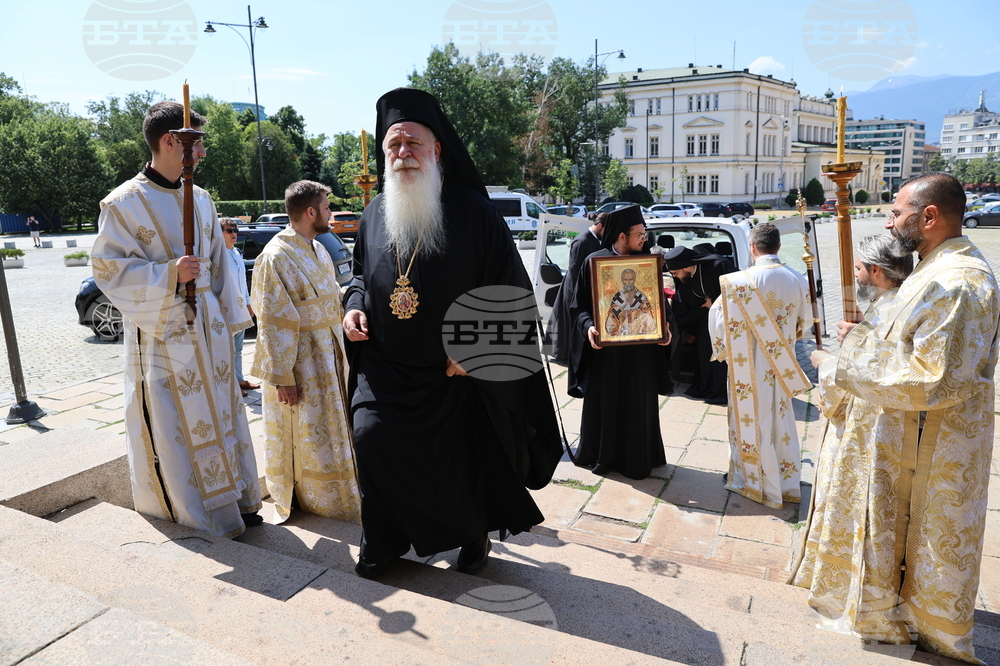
column 344, row 223
column 615, row 205
column 570, row 211
column 730, row 238
column 988, row 215
column 670, row 210
column 982, row 201
column 711, row 209
column 830, row 205
column 741, row 208
column 272, row 218
column 693, row 209
column 519, row 211
column 96, row 312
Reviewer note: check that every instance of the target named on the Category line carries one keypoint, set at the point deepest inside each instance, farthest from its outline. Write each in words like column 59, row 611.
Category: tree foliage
column 566, row 184
column 637, row 194
column 220, row 170
column 281, row 167
column 615, row 179
column 814, row 193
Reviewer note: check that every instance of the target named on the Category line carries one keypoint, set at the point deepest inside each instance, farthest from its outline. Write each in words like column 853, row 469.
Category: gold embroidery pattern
column 105, row 270
column 189, row 383
column 139, row 296
column 222, row 373
column 178, row 334
column 145, row 236
column 217, row 326
column 202, row 429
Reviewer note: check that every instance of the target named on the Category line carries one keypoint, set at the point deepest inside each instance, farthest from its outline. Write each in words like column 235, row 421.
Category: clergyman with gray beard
column 443, row 457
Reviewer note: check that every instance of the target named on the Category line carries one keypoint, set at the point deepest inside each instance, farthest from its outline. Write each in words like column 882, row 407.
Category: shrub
column 791, row 198
column 526, row 235
column 813, row 193
column 887, row 197
column 861, row 197
column 636, row 194
column 11, row 253
column 772, row 218
column 76, row 255
column 761, row 206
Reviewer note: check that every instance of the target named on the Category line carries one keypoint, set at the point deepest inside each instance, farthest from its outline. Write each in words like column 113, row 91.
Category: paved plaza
column 681, row 513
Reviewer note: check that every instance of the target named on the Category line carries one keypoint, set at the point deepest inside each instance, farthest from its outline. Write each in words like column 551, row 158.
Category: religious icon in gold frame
column 627, row 293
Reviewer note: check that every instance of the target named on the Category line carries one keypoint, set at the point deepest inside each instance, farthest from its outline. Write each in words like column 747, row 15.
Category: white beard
column 866, row 292
column 412, row 208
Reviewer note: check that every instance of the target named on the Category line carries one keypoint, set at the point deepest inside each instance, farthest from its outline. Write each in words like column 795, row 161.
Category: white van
column 520, row 211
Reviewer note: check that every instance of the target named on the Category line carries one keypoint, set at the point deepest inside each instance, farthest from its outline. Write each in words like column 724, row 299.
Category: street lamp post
column 597, row 143
column 251, row 27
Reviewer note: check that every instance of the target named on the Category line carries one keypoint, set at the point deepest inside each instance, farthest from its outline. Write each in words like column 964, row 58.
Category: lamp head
column 208, row 27
column 621, row 55
column 260, row 23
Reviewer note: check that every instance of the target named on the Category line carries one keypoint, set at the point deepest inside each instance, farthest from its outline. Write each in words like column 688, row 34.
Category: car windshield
column 508, row 207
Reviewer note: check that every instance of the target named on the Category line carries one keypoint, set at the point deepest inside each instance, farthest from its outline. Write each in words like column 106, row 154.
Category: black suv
column 741, row 208
column 715, row 210
column 95, row 311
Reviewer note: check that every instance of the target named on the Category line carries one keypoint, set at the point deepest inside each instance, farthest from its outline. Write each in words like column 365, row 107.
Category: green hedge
column 252, row 208
column 761, row 206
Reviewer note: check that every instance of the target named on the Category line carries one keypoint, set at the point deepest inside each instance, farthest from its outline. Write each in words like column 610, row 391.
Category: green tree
column 220, row 171
column 681, row 181
column 490, row 103
column 814, row 193
column 615, row 179
column 118, row 120
column 636, row 194
column 937, row 162
column 566, row 184
column 861, row 197
column 281, row 167
column 345, row 148
column 126, row 158
column 293, row 125
column 50, row 165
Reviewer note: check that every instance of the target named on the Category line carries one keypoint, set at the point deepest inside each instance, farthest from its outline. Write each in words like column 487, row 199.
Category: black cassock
column 620, row 425
column 560, row 331
column 441, row 460
column 710, row 376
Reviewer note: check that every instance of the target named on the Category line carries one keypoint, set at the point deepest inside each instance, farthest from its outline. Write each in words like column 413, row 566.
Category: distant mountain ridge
column 925, row 98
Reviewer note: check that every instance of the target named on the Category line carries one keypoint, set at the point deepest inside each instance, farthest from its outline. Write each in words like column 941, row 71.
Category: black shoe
column 725, row 478
column 251, row 519
column 601, row 469
column 722, row 402
column 373, row 570
column 473, row 556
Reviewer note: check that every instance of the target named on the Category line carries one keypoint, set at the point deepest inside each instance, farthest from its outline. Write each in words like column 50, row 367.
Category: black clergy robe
column 620, row 425
column 692, row 319
column 560, row 330
column 441, row 460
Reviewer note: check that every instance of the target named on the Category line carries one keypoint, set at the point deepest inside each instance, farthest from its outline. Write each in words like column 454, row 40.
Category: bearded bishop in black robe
column 620, row 425
column 443, row 457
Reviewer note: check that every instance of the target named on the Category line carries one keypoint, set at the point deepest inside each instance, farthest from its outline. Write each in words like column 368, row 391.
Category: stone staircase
column 114, row 585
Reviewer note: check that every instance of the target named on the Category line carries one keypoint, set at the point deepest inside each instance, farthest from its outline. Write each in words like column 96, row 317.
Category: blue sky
column 332, row 60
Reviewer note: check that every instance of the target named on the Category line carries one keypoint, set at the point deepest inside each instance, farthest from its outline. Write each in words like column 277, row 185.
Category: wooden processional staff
column 188, row 137
column 842, row 173
column 808, row 258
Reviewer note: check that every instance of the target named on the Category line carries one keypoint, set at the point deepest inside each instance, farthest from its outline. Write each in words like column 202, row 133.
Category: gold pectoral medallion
column 403, row 300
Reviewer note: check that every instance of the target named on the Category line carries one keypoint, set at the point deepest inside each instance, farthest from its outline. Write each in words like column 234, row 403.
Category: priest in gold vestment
column 300, row 358
column 893, row 553
column 189, row 449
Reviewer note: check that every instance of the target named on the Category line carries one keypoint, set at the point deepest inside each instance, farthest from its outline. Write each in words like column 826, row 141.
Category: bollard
column 46, row 243
column 71, row 243
column 9, row 246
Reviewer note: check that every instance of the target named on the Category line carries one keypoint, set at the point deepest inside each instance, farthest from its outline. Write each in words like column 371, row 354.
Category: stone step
column 293, row 568
column 235, row 621
column 694, row 621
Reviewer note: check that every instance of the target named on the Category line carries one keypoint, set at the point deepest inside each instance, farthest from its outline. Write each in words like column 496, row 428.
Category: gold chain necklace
column 403, row 300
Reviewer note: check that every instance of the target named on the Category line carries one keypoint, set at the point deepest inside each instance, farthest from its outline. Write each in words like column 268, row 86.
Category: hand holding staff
column 187, row 138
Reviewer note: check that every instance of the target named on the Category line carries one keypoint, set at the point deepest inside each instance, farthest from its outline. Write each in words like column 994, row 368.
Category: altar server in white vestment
column 754, row 325
column 189, row 448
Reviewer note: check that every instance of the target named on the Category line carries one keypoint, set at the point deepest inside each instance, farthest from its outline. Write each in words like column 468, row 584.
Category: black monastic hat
column 620, row 221
column 679, row 257
column 418, row 106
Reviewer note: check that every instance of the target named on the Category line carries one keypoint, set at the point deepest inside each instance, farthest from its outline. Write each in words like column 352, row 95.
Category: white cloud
column 766, row 64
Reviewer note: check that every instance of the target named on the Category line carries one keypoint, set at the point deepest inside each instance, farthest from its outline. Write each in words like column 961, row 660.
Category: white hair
column 412, row 207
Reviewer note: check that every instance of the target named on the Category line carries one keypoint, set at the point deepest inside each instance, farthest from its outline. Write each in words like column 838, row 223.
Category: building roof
column 648, row 75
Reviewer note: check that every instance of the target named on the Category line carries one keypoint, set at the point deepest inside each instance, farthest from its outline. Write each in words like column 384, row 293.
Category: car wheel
column 971, row 223
column 722, row 215
column 105, row 320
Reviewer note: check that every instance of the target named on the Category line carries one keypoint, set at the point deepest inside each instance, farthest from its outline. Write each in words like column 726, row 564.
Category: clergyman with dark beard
column 443, row 457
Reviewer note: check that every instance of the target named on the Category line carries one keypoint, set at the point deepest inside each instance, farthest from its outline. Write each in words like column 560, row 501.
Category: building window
column 961, row 150
column 991, row 149
column 715, row 144
column 631, row 107
column 658, row 100
column 964, row 126
column 946, row 150
column 690, row 103
column 963, row 137
column 715, row 102
column 689, row 188
column 703, row 144
column 654, row 183
column 748, row 143
column 654, row 146
column 947, row 128
column 977, row 149
column 649, row 106
column 702, row 184
column 606, row 150
column 629, row 148
column 713, row 185
column 746, row 183
column 631, row 181
column 994, row 135
column 978, row 137
column 690, row 144
column 784, row 146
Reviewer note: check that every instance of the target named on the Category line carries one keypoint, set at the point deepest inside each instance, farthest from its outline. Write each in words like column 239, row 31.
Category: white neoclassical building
column 713, row 134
